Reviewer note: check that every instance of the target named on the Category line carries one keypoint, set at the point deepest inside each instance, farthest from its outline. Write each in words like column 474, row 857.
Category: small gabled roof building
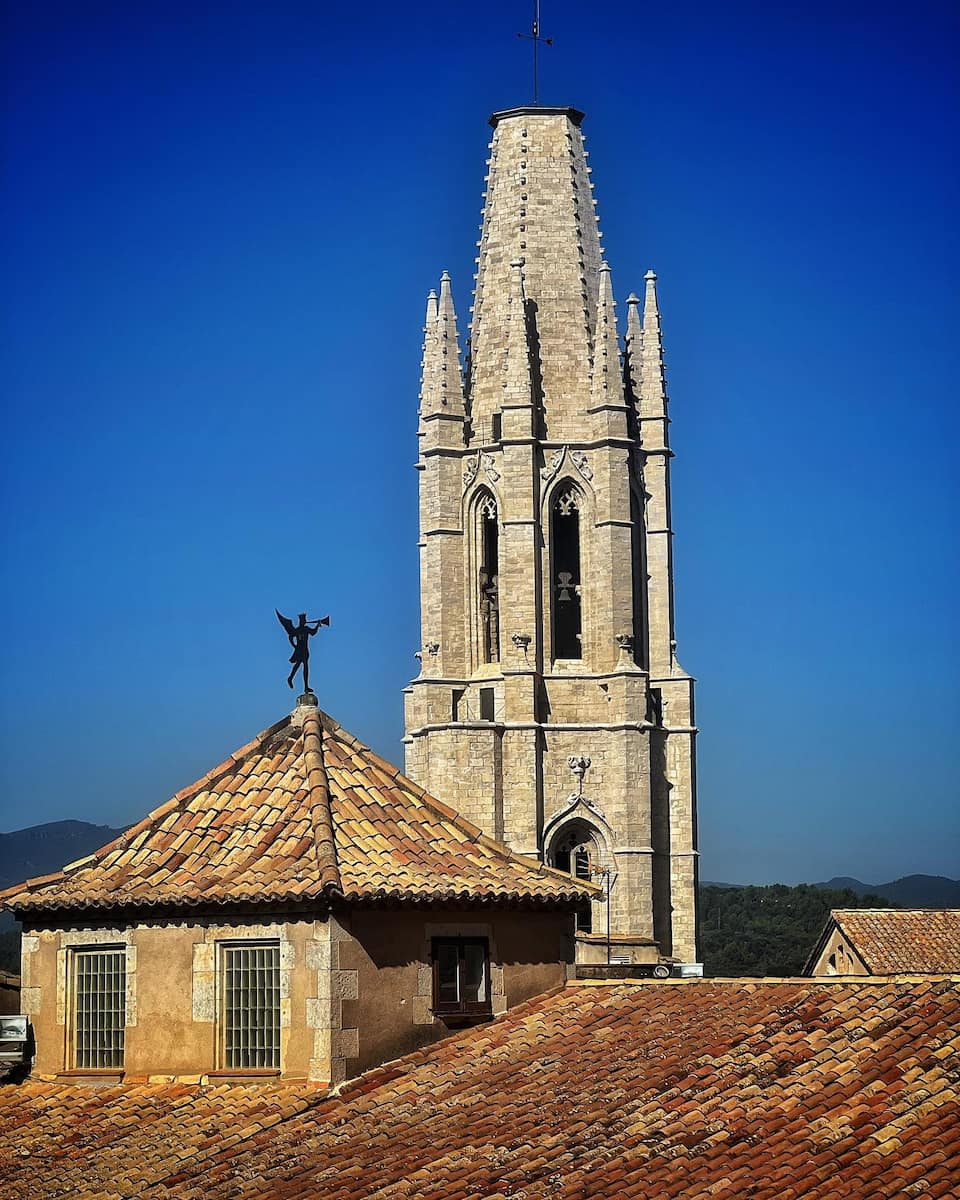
column 303, row 910
column 887, row 941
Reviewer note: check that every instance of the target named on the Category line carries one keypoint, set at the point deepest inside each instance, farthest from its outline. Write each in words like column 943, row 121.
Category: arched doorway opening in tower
column 575, row 850
column 565, row 568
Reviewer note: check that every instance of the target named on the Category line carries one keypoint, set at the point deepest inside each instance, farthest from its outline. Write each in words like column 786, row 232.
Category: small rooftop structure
column 887, row 941
column 303, row 911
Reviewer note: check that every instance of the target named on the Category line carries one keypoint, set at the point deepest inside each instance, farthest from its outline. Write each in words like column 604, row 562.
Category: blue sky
column 219, row 225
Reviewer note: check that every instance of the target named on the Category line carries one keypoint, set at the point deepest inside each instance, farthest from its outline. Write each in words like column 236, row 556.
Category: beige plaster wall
column 391, row 954
column 172, row 1001
column 355, row 988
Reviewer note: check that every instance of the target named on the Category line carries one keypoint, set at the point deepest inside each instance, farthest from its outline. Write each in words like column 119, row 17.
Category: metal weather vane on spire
column 534, row 37
column 300, row 636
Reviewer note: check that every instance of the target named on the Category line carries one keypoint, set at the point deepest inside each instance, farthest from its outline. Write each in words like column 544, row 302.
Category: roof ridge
column 321, row 817
column 900, row 911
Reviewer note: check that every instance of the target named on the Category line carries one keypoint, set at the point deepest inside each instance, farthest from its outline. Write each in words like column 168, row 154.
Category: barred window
column 99, row 1007
column 251, row 1006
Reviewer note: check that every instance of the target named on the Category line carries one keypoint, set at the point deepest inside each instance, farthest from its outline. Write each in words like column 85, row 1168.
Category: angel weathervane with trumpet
column 300, row 636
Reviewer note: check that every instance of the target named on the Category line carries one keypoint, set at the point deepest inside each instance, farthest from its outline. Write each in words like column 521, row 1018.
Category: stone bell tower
column 550, row 708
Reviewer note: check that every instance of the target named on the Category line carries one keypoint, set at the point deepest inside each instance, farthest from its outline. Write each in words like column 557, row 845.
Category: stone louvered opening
column 575, row 849
column 639, row 579
column 488, row 582
column 567, row 609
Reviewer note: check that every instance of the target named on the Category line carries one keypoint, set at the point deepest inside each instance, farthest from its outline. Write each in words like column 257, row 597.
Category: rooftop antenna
column 534, row 36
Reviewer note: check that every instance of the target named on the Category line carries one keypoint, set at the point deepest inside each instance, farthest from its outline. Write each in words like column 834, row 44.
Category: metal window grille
column 100, row 1008
column 251, row 976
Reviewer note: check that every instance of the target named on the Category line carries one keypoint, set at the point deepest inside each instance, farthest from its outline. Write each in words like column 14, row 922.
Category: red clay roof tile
column 303, row 812
column 628, row 1091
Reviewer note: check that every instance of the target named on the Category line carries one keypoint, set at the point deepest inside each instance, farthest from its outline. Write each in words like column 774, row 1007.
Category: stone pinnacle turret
column 606, row 384
column 450, row 379
column 428, row 360
column 653, row 388
column 442, row 408
column 633, row 349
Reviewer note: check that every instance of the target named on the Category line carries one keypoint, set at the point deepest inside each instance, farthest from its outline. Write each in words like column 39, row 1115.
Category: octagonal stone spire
column 538, row 210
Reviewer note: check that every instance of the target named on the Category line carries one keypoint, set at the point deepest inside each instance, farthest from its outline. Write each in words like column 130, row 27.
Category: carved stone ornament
column 579, row 765
column 580, row 462
column 589, row 809
column 625, row 642
column 433, row 649
column 470, row 469
column 577, row 457
column 521, row 640
column 490, row 467
column 556, row 460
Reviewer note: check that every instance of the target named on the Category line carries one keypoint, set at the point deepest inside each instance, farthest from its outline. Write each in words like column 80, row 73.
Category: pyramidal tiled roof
column 895, row 940
column 304, row 813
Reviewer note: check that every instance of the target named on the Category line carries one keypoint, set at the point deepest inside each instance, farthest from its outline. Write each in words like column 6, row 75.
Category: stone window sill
column 251, row 1073
column 462, row 1018
column 91, row 1073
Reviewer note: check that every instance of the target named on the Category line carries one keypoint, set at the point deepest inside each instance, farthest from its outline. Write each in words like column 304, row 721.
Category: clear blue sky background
column 219, row 225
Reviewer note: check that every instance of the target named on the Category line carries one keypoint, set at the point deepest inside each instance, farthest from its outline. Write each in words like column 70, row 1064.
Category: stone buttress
column 550, row 708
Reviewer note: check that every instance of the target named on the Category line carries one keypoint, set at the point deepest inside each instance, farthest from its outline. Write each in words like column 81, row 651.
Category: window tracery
column 574, row 851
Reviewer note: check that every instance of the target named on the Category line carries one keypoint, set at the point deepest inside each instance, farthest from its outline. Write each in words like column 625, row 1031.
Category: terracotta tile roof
column 774, row 1090
column 302, row 814
column 898, row 940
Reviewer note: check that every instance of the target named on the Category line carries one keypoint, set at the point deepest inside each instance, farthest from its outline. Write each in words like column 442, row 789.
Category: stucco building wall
column 355, row 987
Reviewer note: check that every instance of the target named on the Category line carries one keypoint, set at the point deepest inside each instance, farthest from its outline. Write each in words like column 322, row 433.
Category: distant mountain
column 912, row 891
column 41, row 849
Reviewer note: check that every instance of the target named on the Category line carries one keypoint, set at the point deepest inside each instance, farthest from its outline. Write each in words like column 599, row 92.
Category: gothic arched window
column 565, row 569
column 575, row 852
column 488, row 579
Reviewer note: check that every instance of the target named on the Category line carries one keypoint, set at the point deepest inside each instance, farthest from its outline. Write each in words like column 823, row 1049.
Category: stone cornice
column 535, row 110
column 555, row 726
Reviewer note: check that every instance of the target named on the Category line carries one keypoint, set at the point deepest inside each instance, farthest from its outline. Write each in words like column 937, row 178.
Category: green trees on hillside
column 767, row 930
